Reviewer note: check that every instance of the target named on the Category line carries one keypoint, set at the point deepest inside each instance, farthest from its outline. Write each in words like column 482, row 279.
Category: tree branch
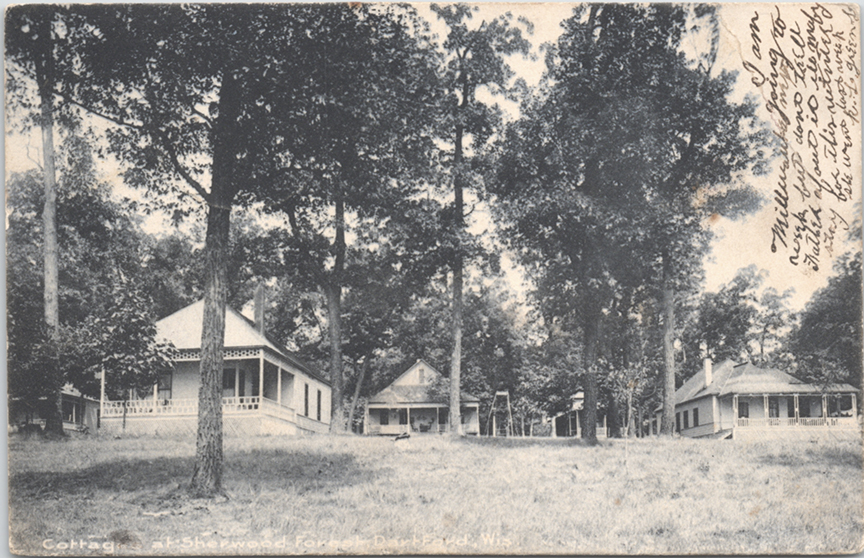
column 95, row 112
column 295, row 232
column 207, row 120
column 175, row 162
column 166, row 145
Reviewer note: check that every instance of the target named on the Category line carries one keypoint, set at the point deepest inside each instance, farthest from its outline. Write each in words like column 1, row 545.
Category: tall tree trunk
column 44, row 63
column 667, row 423
column 361, row 375
column 207, row 474
column 631, row 419
column 333, row 293
column 456, row 357
column 589, row 359
column 613, row 421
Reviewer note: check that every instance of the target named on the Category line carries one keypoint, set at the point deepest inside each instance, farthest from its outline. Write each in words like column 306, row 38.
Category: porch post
column 825, row 408
column 855, row 407
column 437, row 418
column 765, row 402
column 578, row 426
column 797, row 411
column 156, row 393
column 261, row 376
column 554, row 423
column 408, row 414
column 735, row 410
column 279, row 387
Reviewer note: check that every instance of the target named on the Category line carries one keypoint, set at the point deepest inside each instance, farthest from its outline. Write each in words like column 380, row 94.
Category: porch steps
column 722, row 435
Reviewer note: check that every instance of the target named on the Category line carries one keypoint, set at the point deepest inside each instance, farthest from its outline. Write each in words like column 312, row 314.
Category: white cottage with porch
column 407, row 405
column 265, row 389
column 745, row 401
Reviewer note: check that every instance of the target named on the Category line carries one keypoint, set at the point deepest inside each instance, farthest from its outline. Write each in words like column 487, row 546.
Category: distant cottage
column 745, row 401
column 265, row 389
column 409, row 405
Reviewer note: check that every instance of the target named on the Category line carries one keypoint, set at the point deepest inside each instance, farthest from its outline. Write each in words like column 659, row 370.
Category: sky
column 737, row 244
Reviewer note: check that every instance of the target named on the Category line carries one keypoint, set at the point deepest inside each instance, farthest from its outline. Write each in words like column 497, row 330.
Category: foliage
column 827, row 340
column 106, row 324
column 605, row 182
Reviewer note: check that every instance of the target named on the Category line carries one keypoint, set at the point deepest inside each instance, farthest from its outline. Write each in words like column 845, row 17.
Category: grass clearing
column 431, row 495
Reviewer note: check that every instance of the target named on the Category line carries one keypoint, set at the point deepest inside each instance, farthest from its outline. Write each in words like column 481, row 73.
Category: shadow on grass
column 838, row 456
column 503, row 442
column 272, row 469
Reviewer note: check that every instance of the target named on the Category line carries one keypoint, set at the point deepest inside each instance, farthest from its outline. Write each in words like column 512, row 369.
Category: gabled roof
column 183, row 328
column 402, row 394
column 730, row 378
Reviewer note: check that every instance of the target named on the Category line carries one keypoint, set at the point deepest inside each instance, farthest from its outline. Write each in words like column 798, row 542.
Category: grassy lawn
column 431, row 495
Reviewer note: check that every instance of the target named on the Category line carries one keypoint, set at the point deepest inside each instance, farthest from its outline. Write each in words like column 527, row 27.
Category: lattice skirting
column 813, row 434
column 186, row 427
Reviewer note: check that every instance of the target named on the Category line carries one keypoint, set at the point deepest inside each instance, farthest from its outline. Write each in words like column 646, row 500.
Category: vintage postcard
column 420, row 279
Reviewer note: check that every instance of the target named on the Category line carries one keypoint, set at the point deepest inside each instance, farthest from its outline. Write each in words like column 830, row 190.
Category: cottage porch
column 405, row 419
column 801, row 413
column 259, row 397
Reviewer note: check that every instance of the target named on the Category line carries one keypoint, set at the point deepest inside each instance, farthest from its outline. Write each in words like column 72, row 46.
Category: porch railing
column 793, row 422
column 189, row 407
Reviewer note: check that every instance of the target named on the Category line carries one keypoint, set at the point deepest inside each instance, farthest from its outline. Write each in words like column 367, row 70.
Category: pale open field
column 432, row 495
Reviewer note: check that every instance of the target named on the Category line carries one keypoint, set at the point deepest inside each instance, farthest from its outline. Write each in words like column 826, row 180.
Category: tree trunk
column 361, row 375
column 589, row 358
column 456, row 357
column 613, row 421
column 667, row 422
column 631, row 419
column 333, row 293
column 207, row 475
column 44, row 63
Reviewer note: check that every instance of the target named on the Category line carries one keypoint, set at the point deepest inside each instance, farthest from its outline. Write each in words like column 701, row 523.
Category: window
column 306, row 400
column 790, row 406
column 773, row 407
column 72, row 412
column 241, row 383
column 164, row 386
column 743, row 409
column 839, row 405
column 442, row 416
column 229, row 379
column 686, row 419
column 695, row 417
column 403, row 416
column 422, row 376
column 319, row 405
column 677, row 422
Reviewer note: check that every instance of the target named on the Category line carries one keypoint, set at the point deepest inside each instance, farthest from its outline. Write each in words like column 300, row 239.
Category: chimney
column 260, row 301
column 707, row 372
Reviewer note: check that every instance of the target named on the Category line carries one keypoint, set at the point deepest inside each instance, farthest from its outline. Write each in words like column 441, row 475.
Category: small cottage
column 265, row 389
column 80, row 413
column 410, row 404
column 745, row 401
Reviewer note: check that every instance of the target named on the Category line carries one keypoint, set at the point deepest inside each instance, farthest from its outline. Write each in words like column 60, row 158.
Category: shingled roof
column 183, row 328
column 413, row 394
column 730, row 378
